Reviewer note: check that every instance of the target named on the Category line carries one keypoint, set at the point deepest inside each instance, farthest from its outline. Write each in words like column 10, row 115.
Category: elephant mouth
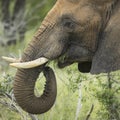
column 84, row 65
column 77, row 54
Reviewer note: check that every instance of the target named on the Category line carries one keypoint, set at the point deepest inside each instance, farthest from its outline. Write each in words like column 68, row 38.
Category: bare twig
column 33, row 117
column 7, row 105
column 79, row 105
column 89, row 113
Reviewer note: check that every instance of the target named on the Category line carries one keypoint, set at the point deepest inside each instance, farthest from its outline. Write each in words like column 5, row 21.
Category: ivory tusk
column 9, row 59
column 30, row 64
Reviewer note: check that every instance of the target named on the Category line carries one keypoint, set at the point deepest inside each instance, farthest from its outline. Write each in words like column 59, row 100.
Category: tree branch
column 79, row 105
column 90, row 112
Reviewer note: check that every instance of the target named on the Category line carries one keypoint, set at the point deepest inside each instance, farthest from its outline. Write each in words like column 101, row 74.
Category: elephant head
column 82, row 31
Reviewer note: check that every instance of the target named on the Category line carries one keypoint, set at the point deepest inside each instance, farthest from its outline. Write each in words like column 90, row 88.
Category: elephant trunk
column 24, row 90
column 25, row 78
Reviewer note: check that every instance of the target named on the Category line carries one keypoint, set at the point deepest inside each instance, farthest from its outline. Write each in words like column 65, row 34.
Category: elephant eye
column 68, row 23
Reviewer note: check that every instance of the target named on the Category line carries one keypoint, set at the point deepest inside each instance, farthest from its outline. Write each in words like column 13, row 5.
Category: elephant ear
column 107, row 56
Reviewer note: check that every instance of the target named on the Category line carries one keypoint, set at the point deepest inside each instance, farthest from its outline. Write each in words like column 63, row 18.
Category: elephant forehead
column 101, row 1
column 82, row 12
column 65, row 6
column 72, row 2
column 95, row 1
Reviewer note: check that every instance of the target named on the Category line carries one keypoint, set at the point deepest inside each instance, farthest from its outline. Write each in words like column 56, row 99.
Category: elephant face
column 82, row 24
column 82, row 31
column 75, row 26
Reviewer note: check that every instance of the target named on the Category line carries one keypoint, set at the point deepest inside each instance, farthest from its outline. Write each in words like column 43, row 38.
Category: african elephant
column 82, row 31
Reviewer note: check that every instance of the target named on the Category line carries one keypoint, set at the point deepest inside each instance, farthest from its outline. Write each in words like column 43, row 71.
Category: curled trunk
column 25, row 78
column 24, row 90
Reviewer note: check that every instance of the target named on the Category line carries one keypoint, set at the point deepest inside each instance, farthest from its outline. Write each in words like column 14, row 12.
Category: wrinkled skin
column 82, row 31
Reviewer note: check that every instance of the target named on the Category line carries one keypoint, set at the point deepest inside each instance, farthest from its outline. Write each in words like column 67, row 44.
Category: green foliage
column 37, row 10
column 6, row 84
column 107, row 93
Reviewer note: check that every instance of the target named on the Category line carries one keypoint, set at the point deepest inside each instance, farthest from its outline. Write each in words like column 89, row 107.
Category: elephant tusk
column 9, row 59
column 30, row 64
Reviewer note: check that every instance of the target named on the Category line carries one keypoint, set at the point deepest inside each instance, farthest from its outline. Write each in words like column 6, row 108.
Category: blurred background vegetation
column 80, row 96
